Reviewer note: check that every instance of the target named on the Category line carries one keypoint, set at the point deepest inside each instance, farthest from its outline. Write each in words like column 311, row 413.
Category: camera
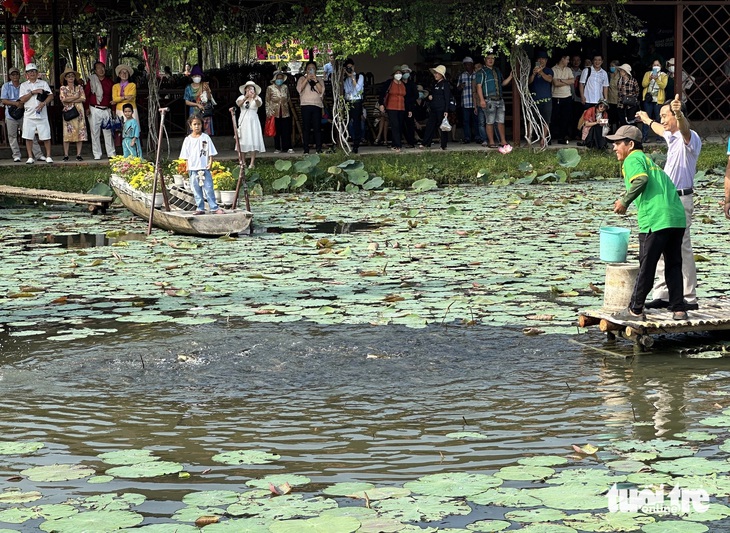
column 247, row 105
column 348, row 69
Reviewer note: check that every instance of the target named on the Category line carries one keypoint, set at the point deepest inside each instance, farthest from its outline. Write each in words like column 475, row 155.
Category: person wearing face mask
column 393, row 101
column 613, row 76
column 250, row 137
column 409, row 129
column 311, row 93
column 199, row 98
column 687, row 82
column 277, row 106
column 439, row 103
column 654, row 83
column 353, row 87
column 420, row 111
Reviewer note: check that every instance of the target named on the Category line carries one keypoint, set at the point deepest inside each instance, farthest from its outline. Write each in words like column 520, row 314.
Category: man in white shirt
column 684, row 147
column 35, row 94
column 593, row 83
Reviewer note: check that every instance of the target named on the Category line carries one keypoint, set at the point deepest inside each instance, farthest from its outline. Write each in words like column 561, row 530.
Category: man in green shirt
column 661, row 221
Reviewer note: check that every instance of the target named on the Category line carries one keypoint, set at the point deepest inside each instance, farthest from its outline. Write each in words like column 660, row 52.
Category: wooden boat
column 234, row 221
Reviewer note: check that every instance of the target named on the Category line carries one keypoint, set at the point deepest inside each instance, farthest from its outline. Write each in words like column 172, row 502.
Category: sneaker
column 30, row 161
column 49, row 160
column 65, row 158
column 79, row 158
column 657, row 304
column 290, row 151
column 16, row 159
column 628, row 315
column 680, row 315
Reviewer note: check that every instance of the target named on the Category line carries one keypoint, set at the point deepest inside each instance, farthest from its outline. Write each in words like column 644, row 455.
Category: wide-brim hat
column 397, row 68
column 242, row 88
column 626, row 132
column 31, row 66
column 420, row 88
column 122, row 67
column 68, row 70
column 440, row 69
column 277, row 74
column 626, row 68
column 405, row 68
column 604, row 103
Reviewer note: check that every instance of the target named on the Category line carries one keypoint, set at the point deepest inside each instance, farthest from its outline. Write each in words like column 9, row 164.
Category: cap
column 14, row 69
column 30, row 66
column 626, row 132
column 467, row 59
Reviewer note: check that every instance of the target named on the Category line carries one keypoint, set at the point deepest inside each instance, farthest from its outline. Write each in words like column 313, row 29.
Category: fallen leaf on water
column 206, row 471
column 15, row 478
column 265, row 312
column 532, row 331
column 588, row 449
column 28, row 288
column 540, row 317
column 393, row 298
column 206, row 520
column 369, row 273
column 281, row 489
column 60, row 300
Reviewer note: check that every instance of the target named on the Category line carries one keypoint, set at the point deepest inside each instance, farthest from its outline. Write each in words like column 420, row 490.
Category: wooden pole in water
column 584, row 321
column 241, row 167
column 163, row 110
column 605, row 325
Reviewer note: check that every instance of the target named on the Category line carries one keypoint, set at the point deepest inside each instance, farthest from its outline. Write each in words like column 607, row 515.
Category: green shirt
column 656, row 198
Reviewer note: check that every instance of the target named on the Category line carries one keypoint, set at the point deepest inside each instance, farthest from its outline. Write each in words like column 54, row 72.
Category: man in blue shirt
column 541, row 80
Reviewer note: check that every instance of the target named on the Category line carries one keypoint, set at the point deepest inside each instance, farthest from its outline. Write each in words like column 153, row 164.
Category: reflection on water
column 338, row 404
column 72, row 240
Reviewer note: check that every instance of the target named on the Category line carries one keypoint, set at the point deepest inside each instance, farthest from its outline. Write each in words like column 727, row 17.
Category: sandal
column 219, row 212
column 199, row 212
column 493, row 146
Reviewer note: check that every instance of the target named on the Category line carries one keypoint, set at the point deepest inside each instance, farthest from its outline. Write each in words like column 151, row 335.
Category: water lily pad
column 506, row 497
column 674, row 526
column 320, row 524
column 113, row 502
column 547, row 528
column 452, row 484
column 170, row 528
column 240, row 525
column 128, row 457
column 607, row 522
column 100, row 479
column 586, row 477
column 384, row 493
column 420, row 508
column 18, row 515
column 536, row 515
column 281, row 507
column 488, row 526
column 649, row 478
column 722, row 421
column 702, row 436
column 19, row 448
column 149, row 469
column 278, row 480
column 16, row 496
column 524, row 473
column 626, row 465
column 93, row 521
column 572, row 497
column 211, row 498
column 348, row 489
column 466, row 435
column 715, row 511
column 688, row 466
column 246, row 457
column 58, row 472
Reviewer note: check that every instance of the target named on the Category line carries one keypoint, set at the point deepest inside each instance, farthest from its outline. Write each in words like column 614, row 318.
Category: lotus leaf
column 424, row 184
column 282, row 507
column 19, row 448
column 722, row 421
column 420, row 508
column 246, row 457
column 100, row 479
column 379, row 525
column 578, row 498
column 488, row 526
column 689, row 466
column 241, row 525
column 384, row 493
column 16, row 496
column 169, row 528
column 626, row 465
column 466, row 435
column 524, row 473
column 211, row 498
column 127, row 457
column 97, row 521
column 361, row 513
column 715, row 511
column 351, row 489
column 536, row 515
column 277, row 480
column 568, row 157
column 453, row 484
column 506, row 497
column 713, row 484
column 548, row 528
column 586, row 477
column 544, row 460
column 675, row 452
column 320, row 524
column 608, row 522
column 18, row 515
column 191, row 514
column 674, row 526
column 149, row 469
column 113, row 502
column 58, row 472
column 697, row 435
column 282, row 165
column 649, row 479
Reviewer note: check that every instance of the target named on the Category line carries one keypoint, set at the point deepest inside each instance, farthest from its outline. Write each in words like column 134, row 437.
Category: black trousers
column 562, row 118
column 282, row 139
column 435, row 117
column 651, row 247
column 397, row 121
column 312, row 119
column 355, row 109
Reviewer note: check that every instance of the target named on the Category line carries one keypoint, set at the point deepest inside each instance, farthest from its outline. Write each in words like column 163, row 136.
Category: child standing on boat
column 130, row 133
column 198, row 151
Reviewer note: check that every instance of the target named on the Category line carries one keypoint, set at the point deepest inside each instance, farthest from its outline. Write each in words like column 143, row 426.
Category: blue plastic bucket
column 614, row 244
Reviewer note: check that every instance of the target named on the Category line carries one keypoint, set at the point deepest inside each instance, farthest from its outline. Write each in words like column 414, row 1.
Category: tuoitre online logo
column 678, row 501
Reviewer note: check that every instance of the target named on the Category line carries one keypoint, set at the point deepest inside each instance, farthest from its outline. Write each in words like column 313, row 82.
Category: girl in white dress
column 250, row 137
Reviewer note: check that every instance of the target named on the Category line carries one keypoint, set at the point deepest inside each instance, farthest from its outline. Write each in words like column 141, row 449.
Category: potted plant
column 178, row 169
column 223, row 182
column 140, row 174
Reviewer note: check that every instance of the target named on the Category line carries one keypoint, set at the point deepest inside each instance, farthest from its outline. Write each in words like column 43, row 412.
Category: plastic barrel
column 614, row 244
column 620, row 279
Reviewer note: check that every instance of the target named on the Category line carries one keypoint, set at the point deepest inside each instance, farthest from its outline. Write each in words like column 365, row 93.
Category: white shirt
column 593, row 90
column 197, row 151
column 681, row 164
column 32, row 103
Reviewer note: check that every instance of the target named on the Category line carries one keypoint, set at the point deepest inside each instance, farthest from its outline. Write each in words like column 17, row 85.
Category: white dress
column 250, row 136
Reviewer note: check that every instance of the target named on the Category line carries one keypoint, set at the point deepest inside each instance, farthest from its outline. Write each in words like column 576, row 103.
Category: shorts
column 31, row 126
column 495, row 111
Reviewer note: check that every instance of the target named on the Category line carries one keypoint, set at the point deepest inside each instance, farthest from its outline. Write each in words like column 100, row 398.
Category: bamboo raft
column 94, row 201
column 713, row 315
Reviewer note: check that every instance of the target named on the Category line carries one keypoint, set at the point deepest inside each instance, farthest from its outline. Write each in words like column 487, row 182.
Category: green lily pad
column 536, row 515
column 16, row 496
column 281, row 507
column 420, row 508
column 240, row 525
column 246, row 457
column 466, row 435
column 488, row 526
column 715, row 511
column 452, row 484
column 702, row 436
column 674, row 526
column 713, row 484
column 93, row 521
column 211, row 498
column 688, row 466
column 113, row 502
column 348, row 489
column 149, row 469
column 127, row 457
column 384, row 493
column 278, row 480
column 607, row 522
column 320, row 524
column 626, row 465
column 171, row 528
column 18, row 515
column 722, row 421
column 58, row 472
column 505, row 497
column 100, row 479
column 19, row 448
column 548, row 528
column 572, row 497
column 524, row 473
column 586, row 477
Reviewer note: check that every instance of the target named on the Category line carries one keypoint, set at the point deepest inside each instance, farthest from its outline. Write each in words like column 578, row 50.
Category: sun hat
column 398, row 68
column 196, row 71
column 405, row 68
column 467, row 59
column 626, row 68
column 277, row 74
column 69, row 70
column 626, row 132
column 242, row 88
column 123, row 67
column 420, row 88
column 440, row 69
column 603, row 102
column 30, row 66
column 13, row 69
column 670, row 62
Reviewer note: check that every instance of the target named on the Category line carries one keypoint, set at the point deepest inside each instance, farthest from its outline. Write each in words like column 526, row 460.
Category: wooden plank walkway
column 713, row 315
column 94, row 200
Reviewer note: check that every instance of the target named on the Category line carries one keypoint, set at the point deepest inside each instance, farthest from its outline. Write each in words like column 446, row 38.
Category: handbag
column 629, row 101
column 70, row 114
column 648, row 97
column 16, row 113
column 207, row 110
column 270, row 126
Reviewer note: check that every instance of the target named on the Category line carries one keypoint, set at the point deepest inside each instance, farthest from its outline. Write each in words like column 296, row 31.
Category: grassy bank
column 397, row 171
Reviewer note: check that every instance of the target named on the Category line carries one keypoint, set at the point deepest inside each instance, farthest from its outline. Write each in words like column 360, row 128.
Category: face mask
column 655, row 70
column 196, row 79
column 613, row 69
column 398, row 76
column 406, row 75
column 279, row 82
column 421, row 95
column 671, row 69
